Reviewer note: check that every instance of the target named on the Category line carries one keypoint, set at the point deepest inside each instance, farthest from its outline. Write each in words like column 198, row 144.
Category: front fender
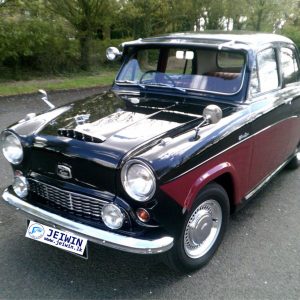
column 185, row 188
column 209, row 176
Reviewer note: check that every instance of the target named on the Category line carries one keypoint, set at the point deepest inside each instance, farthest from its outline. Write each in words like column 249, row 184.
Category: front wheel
column 203, row 230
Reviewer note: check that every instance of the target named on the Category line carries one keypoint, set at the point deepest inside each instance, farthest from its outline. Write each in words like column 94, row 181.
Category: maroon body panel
column 272, row 147
column 235, row 161
column 248, row 163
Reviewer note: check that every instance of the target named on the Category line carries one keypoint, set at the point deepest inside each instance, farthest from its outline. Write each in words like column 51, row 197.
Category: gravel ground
column 259, row 258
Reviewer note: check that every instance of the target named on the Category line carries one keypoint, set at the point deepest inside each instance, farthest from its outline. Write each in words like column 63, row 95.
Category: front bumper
column 105, row 238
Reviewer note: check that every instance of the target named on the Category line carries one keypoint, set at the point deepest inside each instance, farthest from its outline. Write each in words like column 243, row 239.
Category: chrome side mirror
column 112, row 53
column 212, row 113
column 45, row 99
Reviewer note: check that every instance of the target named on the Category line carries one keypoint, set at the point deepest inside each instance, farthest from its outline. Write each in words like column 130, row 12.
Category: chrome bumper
column 105, row 238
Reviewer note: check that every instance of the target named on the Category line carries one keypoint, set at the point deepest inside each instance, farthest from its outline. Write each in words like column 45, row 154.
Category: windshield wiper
column 159, row 84
column 156, row 84
column 126, row 81
column 132, row 82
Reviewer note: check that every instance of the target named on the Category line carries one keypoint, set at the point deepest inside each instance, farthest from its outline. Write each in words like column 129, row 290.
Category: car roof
column 243, row 40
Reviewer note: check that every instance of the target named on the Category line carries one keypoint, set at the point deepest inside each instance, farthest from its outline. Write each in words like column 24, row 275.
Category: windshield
column 200, row 69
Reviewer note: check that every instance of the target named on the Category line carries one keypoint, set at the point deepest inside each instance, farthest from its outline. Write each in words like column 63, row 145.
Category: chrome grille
column 74, row 203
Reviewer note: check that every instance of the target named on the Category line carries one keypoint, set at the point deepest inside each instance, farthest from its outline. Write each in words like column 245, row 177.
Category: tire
column 203, row 230
column 294, row 163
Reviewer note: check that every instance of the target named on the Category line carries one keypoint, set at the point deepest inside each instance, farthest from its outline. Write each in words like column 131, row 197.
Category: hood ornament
column 45, row 99
column 81, row 119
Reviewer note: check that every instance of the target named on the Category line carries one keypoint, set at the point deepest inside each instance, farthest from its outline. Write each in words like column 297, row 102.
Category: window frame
column 131, row 51
column 296, row 55
column 277, row 65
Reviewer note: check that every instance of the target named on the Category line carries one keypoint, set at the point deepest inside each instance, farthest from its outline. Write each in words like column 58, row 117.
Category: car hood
column 107, row 127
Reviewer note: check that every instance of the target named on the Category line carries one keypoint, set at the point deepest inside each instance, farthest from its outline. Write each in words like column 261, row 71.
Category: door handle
column 288, row 101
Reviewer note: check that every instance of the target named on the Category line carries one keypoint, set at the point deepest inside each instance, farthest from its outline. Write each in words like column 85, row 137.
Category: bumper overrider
column 98, row 236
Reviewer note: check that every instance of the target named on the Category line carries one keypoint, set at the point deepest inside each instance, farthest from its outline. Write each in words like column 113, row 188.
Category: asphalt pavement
column 258, row 259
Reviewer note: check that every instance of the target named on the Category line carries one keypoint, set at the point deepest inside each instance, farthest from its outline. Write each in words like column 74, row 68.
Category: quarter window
column 289, row 65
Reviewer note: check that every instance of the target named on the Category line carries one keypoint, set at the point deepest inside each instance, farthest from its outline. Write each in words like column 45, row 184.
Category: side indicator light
column 143, row 215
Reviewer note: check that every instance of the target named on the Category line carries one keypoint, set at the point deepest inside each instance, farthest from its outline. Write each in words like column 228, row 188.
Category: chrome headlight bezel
column 112, row 216
column 126, row 184
column 15, row 142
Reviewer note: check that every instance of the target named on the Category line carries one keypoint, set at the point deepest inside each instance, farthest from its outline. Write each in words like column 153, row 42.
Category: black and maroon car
column 193, row 126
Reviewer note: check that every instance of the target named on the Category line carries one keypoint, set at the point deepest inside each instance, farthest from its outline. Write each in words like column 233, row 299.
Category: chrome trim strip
column 232, row 146
column 105, row 238
column 265, row 181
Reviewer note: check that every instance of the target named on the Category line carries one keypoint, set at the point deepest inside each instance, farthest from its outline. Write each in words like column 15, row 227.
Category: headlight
column 112, row 216
column 11, row 147
column 20, row 186
column 138, row 180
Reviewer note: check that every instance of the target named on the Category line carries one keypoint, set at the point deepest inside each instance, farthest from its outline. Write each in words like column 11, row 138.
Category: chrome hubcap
column 202, row 229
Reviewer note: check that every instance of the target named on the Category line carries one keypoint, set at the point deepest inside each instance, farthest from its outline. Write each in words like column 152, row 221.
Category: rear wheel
column 295, row 161
column 203, row 230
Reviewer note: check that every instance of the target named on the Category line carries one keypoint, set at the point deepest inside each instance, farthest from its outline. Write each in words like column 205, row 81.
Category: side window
column 141, row 62
column 267, row 70
column 289, row 65
column 254, row 83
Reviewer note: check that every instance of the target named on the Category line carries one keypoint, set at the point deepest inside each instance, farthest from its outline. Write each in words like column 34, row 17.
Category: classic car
column 192, row 127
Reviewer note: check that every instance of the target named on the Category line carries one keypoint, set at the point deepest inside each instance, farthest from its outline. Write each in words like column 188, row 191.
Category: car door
column 271, row 118
column 289, row 62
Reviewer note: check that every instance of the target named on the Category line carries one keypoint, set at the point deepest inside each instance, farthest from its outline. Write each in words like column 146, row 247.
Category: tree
column 184, row 15
column 87, row 17
column 235, row 11
column 142, row 18
column 263, row 14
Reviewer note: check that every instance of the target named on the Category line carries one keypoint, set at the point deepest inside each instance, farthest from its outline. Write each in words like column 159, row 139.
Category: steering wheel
column 167, row 77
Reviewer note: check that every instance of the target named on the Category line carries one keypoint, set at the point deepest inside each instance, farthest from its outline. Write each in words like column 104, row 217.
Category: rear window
column 231, row 60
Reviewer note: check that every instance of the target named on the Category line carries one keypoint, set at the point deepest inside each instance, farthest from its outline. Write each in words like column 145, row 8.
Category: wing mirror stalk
column 212, row 114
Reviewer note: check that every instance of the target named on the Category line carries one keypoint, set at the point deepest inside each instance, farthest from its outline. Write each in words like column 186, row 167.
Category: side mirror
column 112, row 53
column 212, row 113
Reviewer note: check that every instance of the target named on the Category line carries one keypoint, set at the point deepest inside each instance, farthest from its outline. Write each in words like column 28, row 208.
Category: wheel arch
column 185, row 189
column 226, row 181
column 225, row 175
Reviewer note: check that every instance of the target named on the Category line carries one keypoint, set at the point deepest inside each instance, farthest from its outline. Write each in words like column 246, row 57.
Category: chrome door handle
column 288, row 101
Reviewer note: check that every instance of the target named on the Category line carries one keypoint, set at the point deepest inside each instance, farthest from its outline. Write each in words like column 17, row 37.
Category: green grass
column 57, row 83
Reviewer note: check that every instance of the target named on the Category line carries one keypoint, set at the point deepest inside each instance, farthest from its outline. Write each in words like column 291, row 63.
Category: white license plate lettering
column 61, row 239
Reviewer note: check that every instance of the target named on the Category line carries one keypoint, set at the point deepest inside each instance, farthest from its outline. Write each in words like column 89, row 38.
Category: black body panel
column 95, row 137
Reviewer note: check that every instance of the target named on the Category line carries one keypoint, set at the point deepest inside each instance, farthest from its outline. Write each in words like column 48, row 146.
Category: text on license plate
column 61, row 239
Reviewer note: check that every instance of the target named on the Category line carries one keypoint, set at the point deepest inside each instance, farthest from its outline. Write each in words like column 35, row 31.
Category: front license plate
column 57, row 238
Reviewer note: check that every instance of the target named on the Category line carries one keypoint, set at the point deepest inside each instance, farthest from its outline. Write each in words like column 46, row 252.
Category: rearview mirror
column 189, row 55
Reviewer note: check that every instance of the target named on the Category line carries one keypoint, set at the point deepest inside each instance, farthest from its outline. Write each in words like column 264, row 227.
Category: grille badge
column 64, row 172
